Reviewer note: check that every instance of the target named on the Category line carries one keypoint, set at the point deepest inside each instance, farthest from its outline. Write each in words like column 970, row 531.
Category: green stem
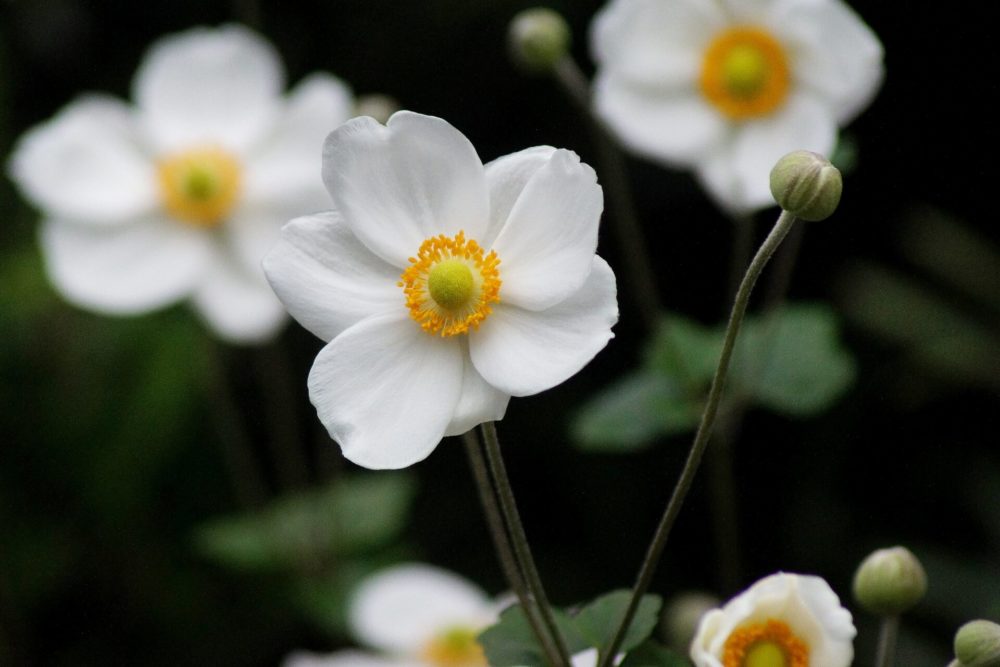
column 501, row 542
column 637, row 270
column 512, row 519
column 887, row 641
column 645, row 576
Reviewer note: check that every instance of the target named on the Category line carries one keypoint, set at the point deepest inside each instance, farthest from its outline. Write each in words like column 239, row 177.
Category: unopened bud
column 379, row 107
column 807, row 185
column 890, row 581
column 538, row 39
column 977, row 644
column 682, row 614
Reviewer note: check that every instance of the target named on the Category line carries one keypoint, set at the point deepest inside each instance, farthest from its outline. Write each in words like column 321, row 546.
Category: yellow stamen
column 745, row 73
column 455, row 647
column 450, row 285
column 768, row 644
column 199, row 186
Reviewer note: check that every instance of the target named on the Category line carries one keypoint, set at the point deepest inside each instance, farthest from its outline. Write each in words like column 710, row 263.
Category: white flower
column 413, row 615
column 789, row 620
column 180, row 195
column 729, row 86
column 443, row 287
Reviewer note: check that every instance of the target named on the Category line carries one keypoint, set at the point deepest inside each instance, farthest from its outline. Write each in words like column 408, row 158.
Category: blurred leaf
column 652, row 654
column 792, row 361
column 350, row 516
column 959, row 587
column 845, row 153
column 683, row 348
column 511, row 642
column 937, row 336
column 630, row 414
column 598, row 621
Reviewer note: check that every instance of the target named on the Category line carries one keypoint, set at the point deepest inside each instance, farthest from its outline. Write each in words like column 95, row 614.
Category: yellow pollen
column 450, row 285
column 767, row 644
column 199, row 186
column 745, row 73
column 455, row 647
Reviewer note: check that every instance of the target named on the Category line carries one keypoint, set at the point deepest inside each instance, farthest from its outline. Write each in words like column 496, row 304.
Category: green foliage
column 790, row 361
column 651, row 654
column 511, row 642
column 300, row 531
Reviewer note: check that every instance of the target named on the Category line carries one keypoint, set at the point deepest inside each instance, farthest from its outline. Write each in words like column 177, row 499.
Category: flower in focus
column 443, row 287
column 729, row 86
column 784, row 620
column 413, row 615
column 181, row 195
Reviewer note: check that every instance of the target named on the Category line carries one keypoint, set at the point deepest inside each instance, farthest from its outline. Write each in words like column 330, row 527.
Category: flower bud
column 977, row 644
column 890, row 581
column 379, row 107
column 538, row 38
column 682, row 614
column 806, row 185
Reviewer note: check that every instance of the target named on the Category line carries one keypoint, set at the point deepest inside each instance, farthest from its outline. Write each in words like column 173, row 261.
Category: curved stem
column 508, row 508
column 771, row 243
column 887, row 641
column 501, row 542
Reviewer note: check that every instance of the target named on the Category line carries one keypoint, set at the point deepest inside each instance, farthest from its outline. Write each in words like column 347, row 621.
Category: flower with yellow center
column 413, row 615
column 784, row 620
column 180, row 195
column 442, row 286
column 727, row 87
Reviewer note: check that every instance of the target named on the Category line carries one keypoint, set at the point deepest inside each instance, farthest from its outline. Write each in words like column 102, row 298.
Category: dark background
column 108, row 456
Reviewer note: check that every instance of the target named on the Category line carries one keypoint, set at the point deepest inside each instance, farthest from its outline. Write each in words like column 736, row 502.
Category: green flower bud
column 890, row 581
column 807, row 185
column 977, row 644
column 379, row 107
column 538, row 38
column 682, row 614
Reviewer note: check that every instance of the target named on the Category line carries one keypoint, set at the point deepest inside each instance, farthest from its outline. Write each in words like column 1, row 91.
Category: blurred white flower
column 180, row 195
column 443, row 287
column 413, row 615
column 729, row 86
column 784, row 619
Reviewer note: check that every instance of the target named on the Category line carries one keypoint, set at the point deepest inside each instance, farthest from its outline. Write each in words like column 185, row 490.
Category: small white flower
column 729, row 86
column 443, row 287
column 182, row 194
column 784, row 620
column 413, row 615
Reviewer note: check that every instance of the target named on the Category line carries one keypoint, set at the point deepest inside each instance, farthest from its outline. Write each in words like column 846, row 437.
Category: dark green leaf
column 512, row 643
column 685, row 350
column 652, row 654
column 598, row 621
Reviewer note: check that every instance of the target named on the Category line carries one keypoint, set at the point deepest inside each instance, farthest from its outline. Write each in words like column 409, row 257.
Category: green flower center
column 451, row 284
column 765, row 654
column 744, row 70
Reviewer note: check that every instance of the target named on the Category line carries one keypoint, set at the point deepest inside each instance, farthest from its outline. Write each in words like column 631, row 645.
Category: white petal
column 837, row 648
column 126, row 269
column 400, row 609
column 547, row 245
column 86, row 164
column 251, row 233
column 522, row 352
column 834, row 53
column 237, row 304
column 506, row 177
column 752, row 12
column 675, row 127
column 327, row 280
column 345, row 659
column 386, row 390
column 654, row 42
column 738, row 175
column 284, row 170
column 399, row 184
column 209, row 86
column 480, row 401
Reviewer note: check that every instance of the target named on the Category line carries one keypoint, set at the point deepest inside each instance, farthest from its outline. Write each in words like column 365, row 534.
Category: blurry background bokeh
column 117, row 452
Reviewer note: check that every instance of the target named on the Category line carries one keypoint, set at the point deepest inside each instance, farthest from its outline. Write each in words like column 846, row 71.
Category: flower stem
column 512, row 519
column 785, row 222
column 501, row 542
column 887, row 641
column 638, row 269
